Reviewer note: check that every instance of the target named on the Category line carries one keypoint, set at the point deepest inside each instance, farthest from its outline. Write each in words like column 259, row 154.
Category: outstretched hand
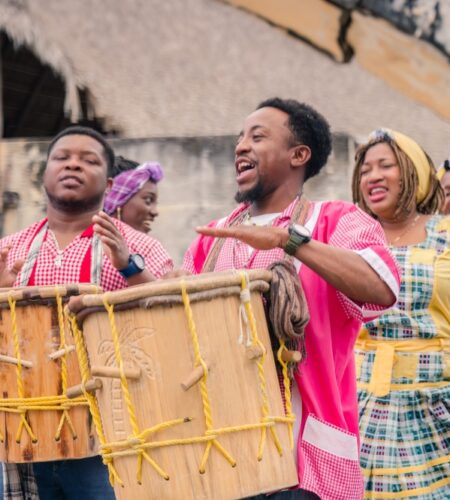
column 8, row 276
column 259, row 237
column 113, row 242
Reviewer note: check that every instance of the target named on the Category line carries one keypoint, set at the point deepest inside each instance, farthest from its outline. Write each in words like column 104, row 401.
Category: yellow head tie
column 441, row 172
column 415, row 153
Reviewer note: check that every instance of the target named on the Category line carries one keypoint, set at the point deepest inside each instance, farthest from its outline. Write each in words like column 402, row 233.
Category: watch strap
column 294, row 241
column 131, row 269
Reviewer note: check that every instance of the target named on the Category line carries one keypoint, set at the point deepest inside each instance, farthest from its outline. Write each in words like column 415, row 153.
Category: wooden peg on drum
column 291, row 356
column 61, row 352
column 15, row 361
column 193, row 378
column 90, row 386
column 254, row 352
column 112, row 372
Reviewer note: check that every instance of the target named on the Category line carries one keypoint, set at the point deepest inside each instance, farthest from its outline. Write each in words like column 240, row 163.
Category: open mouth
column 243, row 166
column 377, row 193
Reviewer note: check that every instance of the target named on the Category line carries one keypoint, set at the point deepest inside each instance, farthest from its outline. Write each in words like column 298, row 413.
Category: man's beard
column 76, row 206
column 256, row 193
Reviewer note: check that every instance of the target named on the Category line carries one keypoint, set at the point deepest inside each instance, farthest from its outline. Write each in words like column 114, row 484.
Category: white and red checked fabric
column 47, row 272
column 327, row 448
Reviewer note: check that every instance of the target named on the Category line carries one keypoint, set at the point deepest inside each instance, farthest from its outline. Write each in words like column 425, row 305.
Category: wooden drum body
column 37, row 364
column 195, row 412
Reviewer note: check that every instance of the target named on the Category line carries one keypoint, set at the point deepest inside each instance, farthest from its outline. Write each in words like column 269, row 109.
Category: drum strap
column 299, row 215
column 95, row 252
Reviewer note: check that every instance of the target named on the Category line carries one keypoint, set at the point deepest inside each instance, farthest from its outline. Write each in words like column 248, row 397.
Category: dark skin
column 75, row 180
column 381, row 187
column 265, row 144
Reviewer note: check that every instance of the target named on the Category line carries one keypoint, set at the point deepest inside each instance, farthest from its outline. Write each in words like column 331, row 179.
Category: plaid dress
column 404, row 378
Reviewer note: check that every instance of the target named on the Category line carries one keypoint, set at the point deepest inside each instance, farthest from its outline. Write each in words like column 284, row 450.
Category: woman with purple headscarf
column 134, row 195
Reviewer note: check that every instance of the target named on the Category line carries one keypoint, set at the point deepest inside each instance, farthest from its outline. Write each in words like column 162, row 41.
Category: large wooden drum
column 190, row 402
column 38, row 364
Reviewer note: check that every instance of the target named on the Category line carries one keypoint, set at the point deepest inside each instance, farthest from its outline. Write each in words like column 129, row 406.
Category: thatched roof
column 197, row 67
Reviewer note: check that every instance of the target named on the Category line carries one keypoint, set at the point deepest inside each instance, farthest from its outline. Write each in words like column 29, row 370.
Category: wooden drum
column 38, row 364
column 186, row 390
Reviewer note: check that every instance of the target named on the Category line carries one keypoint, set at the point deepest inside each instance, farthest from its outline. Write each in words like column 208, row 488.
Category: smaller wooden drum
column 190, row 401
column 38, row 364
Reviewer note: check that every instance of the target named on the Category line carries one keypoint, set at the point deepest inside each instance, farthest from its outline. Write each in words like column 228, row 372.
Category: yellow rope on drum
column 20, row 388
column 203, row 385
column 22, row 405
column 65, row 417
column 245, row 297
column 135, row 439
column 91, row 399
column 290, row 417
column 137, row 443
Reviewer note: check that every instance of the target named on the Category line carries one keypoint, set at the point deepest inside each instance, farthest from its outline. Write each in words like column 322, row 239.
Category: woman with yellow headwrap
column 403, row 356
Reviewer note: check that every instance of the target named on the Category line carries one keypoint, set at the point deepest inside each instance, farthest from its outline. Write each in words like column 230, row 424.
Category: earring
column 119, row 213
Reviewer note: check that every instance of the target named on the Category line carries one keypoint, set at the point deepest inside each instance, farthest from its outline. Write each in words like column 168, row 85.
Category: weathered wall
column 403, row 42
column 198, row 186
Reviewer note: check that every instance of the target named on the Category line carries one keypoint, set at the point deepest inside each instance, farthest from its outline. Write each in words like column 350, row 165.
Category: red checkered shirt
column 46, row 272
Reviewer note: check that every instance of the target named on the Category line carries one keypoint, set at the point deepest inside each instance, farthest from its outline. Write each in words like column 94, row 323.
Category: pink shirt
column 328, row 445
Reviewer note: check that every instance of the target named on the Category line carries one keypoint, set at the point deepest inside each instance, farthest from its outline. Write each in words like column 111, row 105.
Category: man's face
column 263, row 154
column 75, row 177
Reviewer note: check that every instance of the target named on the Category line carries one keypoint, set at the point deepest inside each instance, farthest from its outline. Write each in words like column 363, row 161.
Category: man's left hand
column 113, row 242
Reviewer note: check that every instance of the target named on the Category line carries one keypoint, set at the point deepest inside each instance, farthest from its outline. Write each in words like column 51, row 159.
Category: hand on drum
column 8, row 276
column 259, row 237
column 113, row 243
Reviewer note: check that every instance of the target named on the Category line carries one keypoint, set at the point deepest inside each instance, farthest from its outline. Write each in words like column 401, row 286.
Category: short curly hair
column 308, row 127
column 79, row 130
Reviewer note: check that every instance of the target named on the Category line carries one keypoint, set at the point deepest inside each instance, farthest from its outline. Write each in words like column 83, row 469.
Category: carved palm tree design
column 134, row 356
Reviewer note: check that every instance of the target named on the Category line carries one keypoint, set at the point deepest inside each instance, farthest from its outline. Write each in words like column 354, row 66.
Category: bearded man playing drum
column 347, row 273
column 76, row 243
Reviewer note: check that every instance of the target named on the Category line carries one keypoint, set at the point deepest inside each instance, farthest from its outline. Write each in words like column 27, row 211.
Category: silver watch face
column 301, row 230
column 138, row 260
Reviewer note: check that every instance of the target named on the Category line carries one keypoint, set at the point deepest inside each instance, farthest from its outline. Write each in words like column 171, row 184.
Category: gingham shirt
column 46, row 272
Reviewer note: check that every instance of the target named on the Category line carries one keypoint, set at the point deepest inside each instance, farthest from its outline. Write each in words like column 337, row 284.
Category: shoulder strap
column 299, row 215
column 211, row 259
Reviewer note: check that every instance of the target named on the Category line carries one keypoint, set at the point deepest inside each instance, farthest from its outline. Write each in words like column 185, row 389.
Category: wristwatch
column 136, row 264
column 298, row 235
